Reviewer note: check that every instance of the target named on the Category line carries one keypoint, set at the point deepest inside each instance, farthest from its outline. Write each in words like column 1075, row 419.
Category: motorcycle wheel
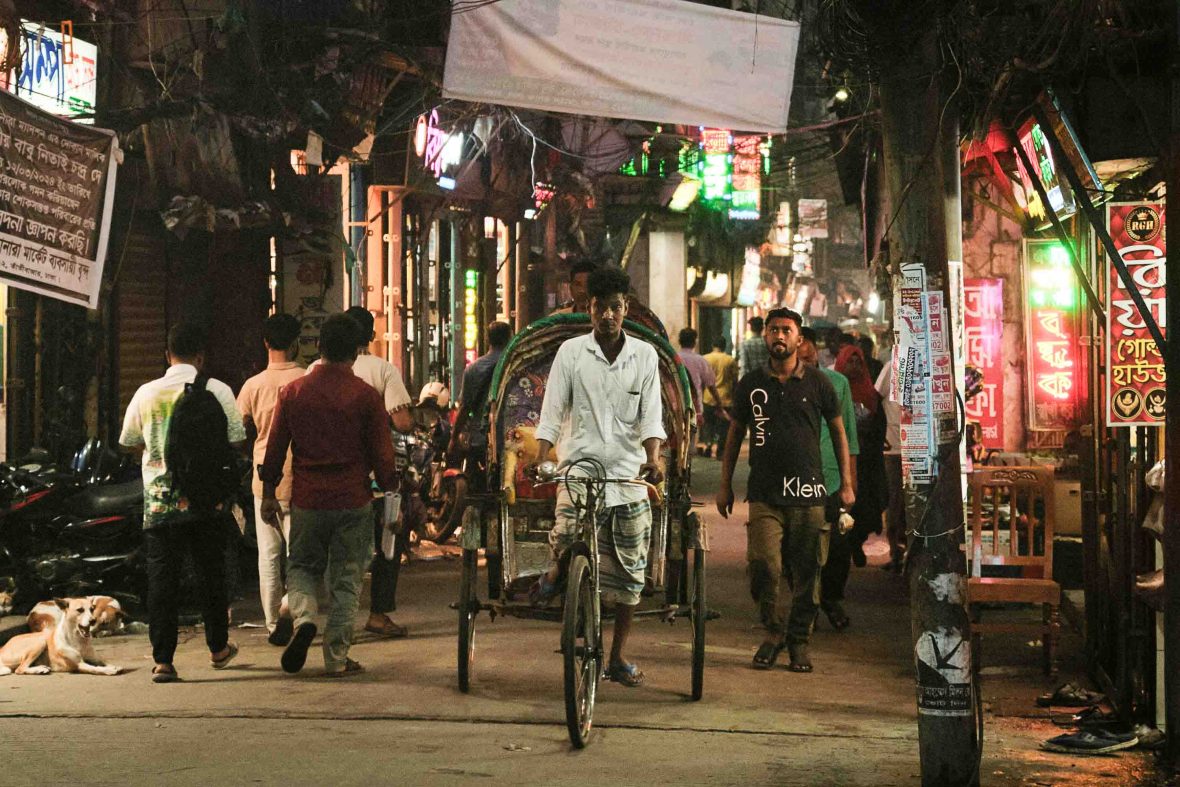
column 446, row 514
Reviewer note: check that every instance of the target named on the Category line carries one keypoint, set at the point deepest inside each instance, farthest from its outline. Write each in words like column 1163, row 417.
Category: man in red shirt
column 338, row 432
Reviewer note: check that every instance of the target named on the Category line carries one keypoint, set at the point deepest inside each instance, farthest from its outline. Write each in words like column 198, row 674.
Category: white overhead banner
column 667, row 61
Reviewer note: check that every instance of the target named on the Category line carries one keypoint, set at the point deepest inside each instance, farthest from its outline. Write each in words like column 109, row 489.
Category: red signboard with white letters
column 1135, row 378
column 983, row 331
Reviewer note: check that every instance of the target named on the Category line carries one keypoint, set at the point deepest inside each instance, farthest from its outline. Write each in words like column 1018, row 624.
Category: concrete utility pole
column 912, row 111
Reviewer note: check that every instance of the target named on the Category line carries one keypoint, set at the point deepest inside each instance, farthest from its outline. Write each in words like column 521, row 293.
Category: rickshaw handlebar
column 652, row 489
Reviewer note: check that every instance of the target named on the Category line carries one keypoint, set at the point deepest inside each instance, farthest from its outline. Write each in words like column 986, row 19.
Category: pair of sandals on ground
column 543, row 590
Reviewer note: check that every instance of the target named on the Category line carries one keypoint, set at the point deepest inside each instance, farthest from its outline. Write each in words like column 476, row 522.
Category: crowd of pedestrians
column 821, row 471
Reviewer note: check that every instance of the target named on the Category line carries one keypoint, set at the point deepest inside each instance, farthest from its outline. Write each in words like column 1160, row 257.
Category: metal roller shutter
column 141, row 314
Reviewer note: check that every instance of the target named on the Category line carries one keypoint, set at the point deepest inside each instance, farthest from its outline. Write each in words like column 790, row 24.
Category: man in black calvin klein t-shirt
column 781, row 406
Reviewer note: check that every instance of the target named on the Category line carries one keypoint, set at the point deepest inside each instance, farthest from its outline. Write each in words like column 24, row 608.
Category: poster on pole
column 666, row 61
column 1135, row 379
column 57, row 187
column 983, row 331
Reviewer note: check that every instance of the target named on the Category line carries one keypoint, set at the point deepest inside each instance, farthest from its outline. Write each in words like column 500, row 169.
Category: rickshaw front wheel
column 581, row 648
column 700, row 612
column 468, row 609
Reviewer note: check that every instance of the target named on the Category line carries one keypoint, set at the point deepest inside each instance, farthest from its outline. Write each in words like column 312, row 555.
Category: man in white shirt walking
column 606, row 385
column 171, row 526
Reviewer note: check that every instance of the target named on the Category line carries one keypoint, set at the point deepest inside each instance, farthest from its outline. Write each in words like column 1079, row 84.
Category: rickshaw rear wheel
column 446, row 514
column 700, row 612
column 581, row 649
column 468, row 609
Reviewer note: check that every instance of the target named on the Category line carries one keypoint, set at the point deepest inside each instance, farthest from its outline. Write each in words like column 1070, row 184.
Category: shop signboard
column 58, row 74
column 1053, row 361
column 983, row 331
column 730, row 170
column 746, row 200
column 813, row 218
column 57, row 185
column 1135, row 378
column 440, row 151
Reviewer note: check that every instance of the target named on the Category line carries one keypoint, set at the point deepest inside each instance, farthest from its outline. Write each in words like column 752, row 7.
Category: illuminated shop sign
column 1052, row 328
column 751, row 277
column 58, row 73
column 983, row 331
column 1135, row 380
column 441, row 151
column 471, row 316
column 731, row 169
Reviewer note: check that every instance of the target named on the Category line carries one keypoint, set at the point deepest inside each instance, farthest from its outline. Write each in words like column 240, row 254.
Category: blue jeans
column 338, row 544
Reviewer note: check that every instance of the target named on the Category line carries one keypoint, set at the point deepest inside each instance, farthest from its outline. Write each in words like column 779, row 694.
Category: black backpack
column 197, row 453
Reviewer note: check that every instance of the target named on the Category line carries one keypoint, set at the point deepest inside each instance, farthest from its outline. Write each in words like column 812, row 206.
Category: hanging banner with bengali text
column 983, row 332
column 57, row 186
column 1135, row 379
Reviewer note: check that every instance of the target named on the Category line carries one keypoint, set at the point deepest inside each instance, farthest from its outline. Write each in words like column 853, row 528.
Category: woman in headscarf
column 872, row 494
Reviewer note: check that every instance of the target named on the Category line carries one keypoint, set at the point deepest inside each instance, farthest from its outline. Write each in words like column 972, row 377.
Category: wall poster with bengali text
column 57, row 187
column 983, row 336
column 1135, row 380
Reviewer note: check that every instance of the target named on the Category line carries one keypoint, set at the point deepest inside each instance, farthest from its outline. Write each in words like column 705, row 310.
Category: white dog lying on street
column 64, row 647
column 108, row 615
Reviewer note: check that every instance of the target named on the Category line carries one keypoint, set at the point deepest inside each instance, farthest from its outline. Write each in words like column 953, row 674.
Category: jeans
column 273, row 548
column 164, row 546
column 385, row 573
column 337, row 543
column 807, row 553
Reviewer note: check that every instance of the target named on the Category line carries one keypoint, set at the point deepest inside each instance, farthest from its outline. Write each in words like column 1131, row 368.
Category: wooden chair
column 1016, row 503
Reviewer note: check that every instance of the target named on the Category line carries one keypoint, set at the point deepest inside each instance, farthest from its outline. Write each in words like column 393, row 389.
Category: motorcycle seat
column 107, row 499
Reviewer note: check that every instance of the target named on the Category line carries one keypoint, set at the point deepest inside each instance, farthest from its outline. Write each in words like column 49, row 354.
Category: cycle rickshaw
column 512, row 518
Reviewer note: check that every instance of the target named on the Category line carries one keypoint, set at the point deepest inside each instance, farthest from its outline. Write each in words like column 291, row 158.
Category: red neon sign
column 983, row 330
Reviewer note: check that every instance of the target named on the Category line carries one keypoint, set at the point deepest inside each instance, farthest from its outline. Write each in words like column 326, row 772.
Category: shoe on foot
column 800, row 658
column 837, row 617
column 387, row 628
column 767, row 654
column 627, row 674
column 295, row 656
column 231, row 650
column 284, row 628
column 164, row 673
column 350, row 668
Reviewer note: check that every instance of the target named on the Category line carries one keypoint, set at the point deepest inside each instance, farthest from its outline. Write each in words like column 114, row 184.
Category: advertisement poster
column 57, row 185
column 1135, row 379
column 983, row 331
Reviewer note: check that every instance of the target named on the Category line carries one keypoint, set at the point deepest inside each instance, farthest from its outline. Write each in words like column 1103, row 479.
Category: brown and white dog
column 108, row 615
column 64, row 647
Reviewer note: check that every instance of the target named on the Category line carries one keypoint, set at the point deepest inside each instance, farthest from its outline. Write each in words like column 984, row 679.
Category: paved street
column 851, row 722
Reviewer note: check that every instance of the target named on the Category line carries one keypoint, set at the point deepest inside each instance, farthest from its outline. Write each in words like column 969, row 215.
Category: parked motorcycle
column 71, row 531
column 421, row 460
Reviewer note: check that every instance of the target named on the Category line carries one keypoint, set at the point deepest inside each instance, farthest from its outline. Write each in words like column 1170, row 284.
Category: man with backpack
column 188, row 427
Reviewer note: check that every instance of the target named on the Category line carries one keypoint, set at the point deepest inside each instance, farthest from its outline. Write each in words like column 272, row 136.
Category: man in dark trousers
column 782, row 405
column 337, row 427
column 171, row 527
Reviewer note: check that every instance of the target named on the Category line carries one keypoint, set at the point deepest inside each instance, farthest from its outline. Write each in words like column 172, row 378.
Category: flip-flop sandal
column 223, row 662
column 164, row 673
column 350, row 668
column 388, row 629
column 1070, row 695
column 295, row 655
column 767, row 654
column 543, row 591
column 800, row 660
column 627, row 674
